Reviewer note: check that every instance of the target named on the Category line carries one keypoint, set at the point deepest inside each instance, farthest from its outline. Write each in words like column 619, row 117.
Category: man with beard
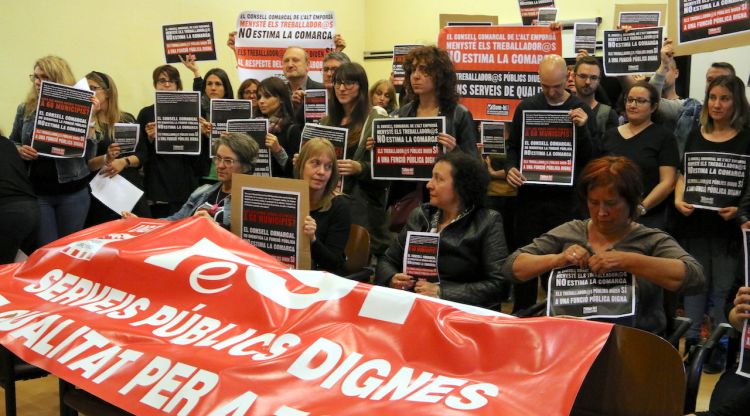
column 588, row 74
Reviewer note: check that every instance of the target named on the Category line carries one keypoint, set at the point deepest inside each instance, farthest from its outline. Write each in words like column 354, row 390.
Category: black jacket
column 470, row 256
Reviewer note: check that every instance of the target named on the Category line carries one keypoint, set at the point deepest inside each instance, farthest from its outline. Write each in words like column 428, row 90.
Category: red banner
column 185, row 318
column 498, row 66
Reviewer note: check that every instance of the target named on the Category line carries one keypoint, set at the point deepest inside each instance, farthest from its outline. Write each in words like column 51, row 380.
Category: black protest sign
column 257, row 129
column 270, row 221
column 223, row 110
column 397, row 66
column 189, row 38
column 581, row 293
column 61, row 120
column 707, row 19
column 421, row 256
column 492, row 135
column 336, row 135
column 316, row 105
column 127, row 135
column 637, row 20
column 634, row 52
column 548, row 147
column 405, row 148
column 530, row 9
column 584, row 38
column 714, row 180
column 178, row 129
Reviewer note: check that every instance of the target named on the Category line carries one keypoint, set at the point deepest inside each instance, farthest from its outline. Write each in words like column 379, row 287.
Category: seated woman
column 612, row 240
column 329, row 221
column 472, row 243
column 275, row 104
column 233, row 153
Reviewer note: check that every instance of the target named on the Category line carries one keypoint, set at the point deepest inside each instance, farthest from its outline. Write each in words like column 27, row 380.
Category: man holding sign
column 542, row 207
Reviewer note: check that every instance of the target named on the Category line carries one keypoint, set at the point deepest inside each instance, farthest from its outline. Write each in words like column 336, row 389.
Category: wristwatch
column 641, row 210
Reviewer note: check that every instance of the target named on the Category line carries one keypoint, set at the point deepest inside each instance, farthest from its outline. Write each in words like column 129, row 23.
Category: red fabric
column 493, row 364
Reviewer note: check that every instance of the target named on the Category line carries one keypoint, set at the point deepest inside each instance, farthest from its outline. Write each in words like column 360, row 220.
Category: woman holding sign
column 233, row 153
column 711, row 235
column 110, row 160
column 275, row 104
column 350, row 108
column 652, row 147
column 471, row 249
column 329, row 221
column 612, row 240
column 60, row 183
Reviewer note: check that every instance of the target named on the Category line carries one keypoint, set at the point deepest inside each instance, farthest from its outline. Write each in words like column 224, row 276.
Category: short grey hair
column 338, row 56
column 244, row 146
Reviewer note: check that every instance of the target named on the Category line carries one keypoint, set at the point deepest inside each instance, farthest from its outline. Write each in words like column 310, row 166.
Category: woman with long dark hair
column 350, row 108
column 275, row 104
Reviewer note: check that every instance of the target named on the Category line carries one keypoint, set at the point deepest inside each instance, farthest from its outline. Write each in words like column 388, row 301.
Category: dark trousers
column 19, row 224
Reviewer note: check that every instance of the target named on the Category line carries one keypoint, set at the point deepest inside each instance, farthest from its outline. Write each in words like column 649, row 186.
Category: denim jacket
column 68, row 169
column 687, row 119
column 198, row 198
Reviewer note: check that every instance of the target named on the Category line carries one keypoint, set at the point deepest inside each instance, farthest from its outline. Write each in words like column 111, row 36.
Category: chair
column 357, row 253
column 698, row 357
column 14, row 369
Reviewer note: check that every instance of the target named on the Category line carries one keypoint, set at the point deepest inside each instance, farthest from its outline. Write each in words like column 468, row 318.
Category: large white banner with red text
column 185, row 318
column 262, row 38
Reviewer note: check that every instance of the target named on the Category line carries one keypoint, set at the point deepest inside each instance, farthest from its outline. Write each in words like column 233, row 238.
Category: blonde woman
column 60, row 183
column 383, row 94
column 329, row 221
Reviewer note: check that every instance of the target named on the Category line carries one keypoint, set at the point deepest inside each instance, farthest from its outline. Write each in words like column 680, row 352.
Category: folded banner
column 185, row 318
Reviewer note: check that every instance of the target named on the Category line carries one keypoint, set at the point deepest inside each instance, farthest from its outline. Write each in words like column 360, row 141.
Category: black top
column 14, row 183
column 170, row 178
column 653, row 147
column 703, row 222
column 331, row 235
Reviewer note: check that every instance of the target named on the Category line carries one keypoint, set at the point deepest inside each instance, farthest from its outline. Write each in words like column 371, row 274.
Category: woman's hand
column 608, row 261
column 191, row 64
column 448, row 141
column 113, row 168
column 497, row 174
column 203, row 213
column 370, row 143
column 348, row 167
column 206, row 126
column 423, row 287
column 294, row 159
column 128, row 214
column 728, row 213
column 272, row 142
column 574, row 255
column 402, row 281
column 515, row 178
column 742, row 303
column 97, row 105
column 27, row 152
column 151, row 130
column 684, row 208
column 231, row 39
column 339, row 43
column 309, row 228
column 298, row 97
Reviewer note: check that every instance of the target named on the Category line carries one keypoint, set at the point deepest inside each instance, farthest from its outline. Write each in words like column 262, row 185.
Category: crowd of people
column 625, row 211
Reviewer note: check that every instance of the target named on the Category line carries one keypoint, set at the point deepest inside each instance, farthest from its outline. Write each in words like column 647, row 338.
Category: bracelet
column 127, row 161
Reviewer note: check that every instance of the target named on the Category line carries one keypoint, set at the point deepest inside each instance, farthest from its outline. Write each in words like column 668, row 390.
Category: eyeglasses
column 94, row 88
column 584, row 77
column 346, row 84
column 329, row 68
column 162, row 81
column 637, row 101
column 34, row 77
column 228, row 162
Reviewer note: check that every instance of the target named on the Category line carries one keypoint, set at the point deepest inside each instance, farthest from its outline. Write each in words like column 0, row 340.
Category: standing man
column 331, row 62
column 543, row 207
column 587, row 74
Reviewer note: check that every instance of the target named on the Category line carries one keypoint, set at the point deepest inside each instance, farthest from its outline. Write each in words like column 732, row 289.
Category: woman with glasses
column 233, row 153
column 169, row 178
column 248, row 90
column 350, row 108
column 653, row 149
column 275, row 104
column 109, row 160
column 60, row 183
